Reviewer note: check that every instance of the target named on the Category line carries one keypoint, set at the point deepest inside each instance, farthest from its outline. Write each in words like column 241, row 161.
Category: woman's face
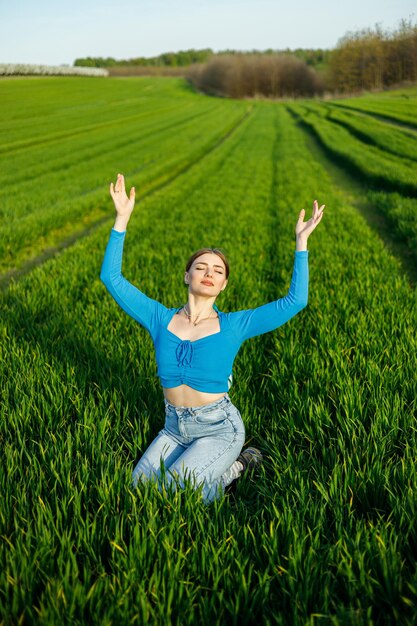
column 207, row 275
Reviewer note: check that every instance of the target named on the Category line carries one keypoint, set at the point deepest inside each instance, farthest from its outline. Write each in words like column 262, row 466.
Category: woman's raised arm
column 145, row 310
column 124, row 205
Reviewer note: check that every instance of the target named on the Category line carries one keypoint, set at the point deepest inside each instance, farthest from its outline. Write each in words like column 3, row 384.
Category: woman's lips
column 207, row 282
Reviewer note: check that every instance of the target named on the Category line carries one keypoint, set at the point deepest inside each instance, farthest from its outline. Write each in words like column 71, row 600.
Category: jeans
column 200, row 443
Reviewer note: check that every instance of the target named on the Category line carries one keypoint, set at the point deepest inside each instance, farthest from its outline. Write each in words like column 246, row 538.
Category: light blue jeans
column 198, row 443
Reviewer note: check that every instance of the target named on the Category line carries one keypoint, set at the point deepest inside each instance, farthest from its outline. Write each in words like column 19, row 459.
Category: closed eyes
column 203, row 268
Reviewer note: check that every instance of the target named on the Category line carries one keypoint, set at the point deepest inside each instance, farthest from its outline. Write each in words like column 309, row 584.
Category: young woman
column 195, row 346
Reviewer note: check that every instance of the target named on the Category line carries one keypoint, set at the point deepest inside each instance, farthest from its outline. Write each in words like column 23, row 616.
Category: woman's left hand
column 304, row 229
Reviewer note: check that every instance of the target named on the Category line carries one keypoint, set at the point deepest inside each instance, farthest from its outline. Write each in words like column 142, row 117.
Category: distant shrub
column 24, row 69
column 248, row 75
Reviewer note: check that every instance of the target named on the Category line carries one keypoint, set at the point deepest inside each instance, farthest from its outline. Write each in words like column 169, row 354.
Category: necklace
column 197, row 320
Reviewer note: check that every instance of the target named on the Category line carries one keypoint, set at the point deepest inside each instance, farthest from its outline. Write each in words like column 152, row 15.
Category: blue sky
column 56, row 32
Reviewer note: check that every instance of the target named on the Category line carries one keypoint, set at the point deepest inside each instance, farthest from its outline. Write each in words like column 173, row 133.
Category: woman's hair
column 217, row 251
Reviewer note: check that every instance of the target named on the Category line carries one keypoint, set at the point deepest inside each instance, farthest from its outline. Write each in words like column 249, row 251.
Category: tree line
column 368, row 59
column 364, row 60
column 374, row 59
column 185, row 58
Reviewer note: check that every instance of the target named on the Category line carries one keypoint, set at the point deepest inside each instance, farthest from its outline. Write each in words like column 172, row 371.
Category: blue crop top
column 204, row 364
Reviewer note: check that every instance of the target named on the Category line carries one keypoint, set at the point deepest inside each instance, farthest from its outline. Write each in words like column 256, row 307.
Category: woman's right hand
column 124, row 205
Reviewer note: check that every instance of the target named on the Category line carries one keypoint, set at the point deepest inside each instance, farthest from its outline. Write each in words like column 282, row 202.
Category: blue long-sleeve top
column 204, row 364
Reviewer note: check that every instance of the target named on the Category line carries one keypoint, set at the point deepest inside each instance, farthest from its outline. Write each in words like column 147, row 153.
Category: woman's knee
column 143, row 471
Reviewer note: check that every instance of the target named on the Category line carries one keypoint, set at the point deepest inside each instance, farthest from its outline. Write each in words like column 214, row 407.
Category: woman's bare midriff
column 183, row 395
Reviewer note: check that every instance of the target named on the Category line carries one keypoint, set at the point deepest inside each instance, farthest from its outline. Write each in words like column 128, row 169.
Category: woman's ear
column 186, row 278
column 224, row 286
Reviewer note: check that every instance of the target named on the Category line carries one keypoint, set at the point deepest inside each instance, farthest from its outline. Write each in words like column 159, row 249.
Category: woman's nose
column 209, row 272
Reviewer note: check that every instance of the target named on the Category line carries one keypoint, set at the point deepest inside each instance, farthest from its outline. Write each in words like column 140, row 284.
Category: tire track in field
column 254, row 361
column 52, row 251
column 384, row 118
column 23, row 144
column 356, row 192
column 367, row 138
column 344, row 162
column 98, row 148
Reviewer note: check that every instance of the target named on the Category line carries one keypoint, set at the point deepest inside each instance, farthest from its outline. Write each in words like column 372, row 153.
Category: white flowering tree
column 23, row 69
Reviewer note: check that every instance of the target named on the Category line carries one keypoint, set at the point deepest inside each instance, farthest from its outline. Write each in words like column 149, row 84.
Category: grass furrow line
column 401, row 143
column 92, row 128
column 399, row 107
column 138, row 139
column 372, row 164
column 391, row 214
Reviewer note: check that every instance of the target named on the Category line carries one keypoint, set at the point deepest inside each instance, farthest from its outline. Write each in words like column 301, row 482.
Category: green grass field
column 326, row 533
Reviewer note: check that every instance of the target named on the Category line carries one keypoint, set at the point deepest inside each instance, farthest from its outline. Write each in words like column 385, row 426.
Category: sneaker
column 250, row 458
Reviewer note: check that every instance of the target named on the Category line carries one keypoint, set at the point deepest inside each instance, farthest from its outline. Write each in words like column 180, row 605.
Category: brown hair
column 217, row 251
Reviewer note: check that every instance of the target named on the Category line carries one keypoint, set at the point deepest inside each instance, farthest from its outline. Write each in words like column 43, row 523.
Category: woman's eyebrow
column 203, row 263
